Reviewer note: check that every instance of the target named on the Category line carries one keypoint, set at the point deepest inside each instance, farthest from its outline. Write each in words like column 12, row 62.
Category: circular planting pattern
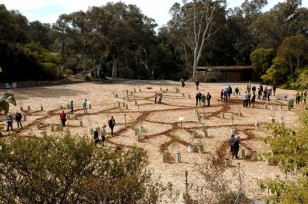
column 156, row 128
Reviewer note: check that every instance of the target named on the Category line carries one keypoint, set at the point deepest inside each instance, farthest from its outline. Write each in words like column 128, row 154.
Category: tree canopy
column 118, row 40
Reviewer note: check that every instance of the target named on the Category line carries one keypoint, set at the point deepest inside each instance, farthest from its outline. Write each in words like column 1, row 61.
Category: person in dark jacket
column 231, row 144
column 18, row 117
column 253, row 99
column 236, row 147
column 72, row 106
column 197, row 84
column 208, row 98
column 198, row 98
column 111, row 124
column 96, row 139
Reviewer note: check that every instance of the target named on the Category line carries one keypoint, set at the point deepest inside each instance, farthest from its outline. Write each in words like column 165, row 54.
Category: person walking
column 18, row 117
column 197, row 84
column 111, row 124
column 236, row 147
column 9, row 122
column 103, row 135
column 72, row 106
column 63, row 118
column 84, row 106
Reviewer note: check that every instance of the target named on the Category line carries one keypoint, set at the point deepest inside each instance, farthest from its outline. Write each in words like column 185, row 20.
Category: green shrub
column 71, row 169
column 87, row 78
column 69, row 72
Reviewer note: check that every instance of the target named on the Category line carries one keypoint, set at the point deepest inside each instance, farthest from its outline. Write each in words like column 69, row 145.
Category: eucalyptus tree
column 195, row 23
column 40, row 33
column 108, row 36
column 284, row 19
column 13, row 26
column 240, row 32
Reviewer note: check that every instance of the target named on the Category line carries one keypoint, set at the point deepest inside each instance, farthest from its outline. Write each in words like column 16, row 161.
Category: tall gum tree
column 197, row 23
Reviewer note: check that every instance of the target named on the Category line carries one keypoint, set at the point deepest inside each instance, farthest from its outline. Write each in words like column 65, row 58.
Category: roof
column 224, row 68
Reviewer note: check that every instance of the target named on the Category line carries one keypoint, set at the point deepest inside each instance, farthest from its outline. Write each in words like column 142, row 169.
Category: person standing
column 18, row 117
column 237, row 90
column 155, row 97
column 84, row 106
column 182, row 82
column 103, row 135
column 221, row 95
column 236, row 147
column 198, row 98
column 203, row 97
column 274, row 89
column 231, row 144
column 226, row 92
column 208, row 98
column 259, row 94
column 160, row 97
column 9, row 122
column 229, row 91
column 245, row 99
column 197, row 84
column 111, row 124
column 253, row 89
column 72, row 106
column 96, row 139
column 63, row 118
column 253, row 99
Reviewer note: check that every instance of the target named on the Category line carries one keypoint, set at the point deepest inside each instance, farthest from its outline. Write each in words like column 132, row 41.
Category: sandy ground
column 161, row 123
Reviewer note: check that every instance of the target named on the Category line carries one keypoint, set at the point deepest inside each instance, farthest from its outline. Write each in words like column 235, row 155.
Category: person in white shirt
column 245, row 99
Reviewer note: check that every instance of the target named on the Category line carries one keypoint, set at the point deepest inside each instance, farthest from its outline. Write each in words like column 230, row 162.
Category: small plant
column 175, row 140
column 204, row 128
column 193, row 135
column 133, row 122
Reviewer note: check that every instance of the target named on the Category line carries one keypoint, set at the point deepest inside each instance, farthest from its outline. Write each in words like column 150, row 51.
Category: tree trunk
column 114, row 69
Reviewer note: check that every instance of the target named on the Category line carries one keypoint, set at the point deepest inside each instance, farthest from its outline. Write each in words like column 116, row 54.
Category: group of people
column 249, row 97
column 301, row 97
column 158, row 96
column 201, row 98
column 225, row 93
column 102, row 133
column 249, row 100
column 10, row 120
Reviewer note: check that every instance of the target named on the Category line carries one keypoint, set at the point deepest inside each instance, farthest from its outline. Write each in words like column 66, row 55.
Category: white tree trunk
column 114, row 69
column 202, row 31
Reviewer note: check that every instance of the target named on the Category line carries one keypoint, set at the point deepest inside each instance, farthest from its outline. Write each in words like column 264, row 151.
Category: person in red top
column 155, row 97
column 63, row 118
